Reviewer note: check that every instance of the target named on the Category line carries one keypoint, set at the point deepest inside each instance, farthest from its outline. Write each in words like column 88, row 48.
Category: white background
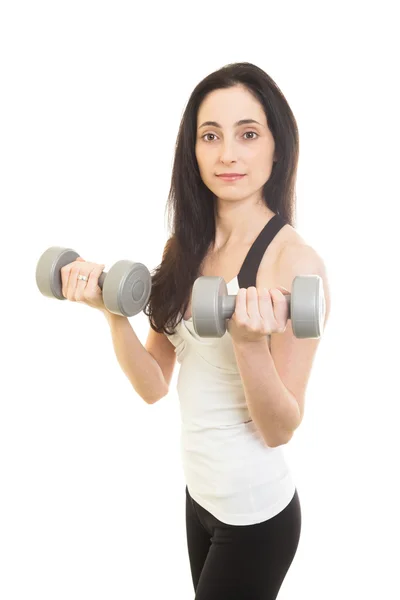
column 92, row 490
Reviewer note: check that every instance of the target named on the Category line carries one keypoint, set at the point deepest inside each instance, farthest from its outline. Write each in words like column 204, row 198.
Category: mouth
column 230, row 177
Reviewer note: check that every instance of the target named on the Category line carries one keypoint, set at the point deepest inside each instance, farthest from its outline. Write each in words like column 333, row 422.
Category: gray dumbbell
column 126, row 286
column 211, row 306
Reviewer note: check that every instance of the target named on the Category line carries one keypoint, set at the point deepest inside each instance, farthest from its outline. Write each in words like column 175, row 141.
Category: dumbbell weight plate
column 48, row 270
column 307, row 306
column 126, row 288
column 207, row 295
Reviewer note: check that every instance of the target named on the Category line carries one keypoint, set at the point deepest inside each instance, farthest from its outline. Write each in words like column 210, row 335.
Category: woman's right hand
column 87, row 292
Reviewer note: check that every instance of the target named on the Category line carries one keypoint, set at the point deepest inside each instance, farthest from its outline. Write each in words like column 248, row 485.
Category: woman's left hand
column 258, row 312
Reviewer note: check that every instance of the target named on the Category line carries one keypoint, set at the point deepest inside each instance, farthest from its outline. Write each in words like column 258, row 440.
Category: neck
column 239, row 224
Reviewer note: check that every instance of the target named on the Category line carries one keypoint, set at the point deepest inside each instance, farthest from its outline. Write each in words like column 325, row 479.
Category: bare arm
column 142, row 370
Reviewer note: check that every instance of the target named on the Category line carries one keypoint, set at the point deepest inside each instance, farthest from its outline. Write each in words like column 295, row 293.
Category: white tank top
column 229, row 469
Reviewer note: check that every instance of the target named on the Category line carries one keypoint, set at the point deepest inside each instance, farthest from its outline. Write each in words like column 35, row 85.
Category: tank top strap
column 248, row 273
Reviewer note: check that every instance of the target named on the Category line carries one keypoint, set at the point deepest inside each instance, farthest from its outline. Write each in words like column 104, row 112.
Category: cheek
column 200, row 156
column 262, row 163
column 204, row 163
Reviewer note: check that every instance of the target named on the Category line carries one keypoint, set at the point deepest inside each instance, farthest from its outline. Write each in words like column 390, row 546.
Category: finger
column 284, row 290
column 65, row 273
column 75, row 285
column 82, row 286
column 64, row 279
column 240, row 306
column 253, row 306
column 265, row 305
column 280, row 308
column 92, row 284
column 72, row 281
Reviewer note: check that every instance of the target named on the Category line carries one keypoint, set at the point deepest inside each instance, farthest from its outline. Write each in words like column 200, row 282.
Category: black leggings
column 244, row 562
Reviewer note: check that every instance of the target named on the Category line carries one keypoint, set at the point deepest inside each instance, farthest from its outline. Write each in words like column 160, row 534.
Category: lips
column 230, row 177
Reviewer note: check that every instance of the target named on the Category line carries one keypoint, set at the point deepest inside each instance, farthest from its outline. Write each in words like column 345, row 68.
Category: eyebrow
column 241, row 122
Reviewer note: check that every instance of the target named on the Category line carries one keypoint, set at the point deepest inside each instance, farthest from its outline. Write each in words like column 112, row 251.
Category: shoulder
column 294, row 248
column 299, row 253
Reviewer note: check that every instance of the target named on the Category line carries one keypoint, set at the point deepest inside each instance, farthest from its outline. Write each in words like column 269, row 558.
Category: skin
column 239, row 204
column 239, row 207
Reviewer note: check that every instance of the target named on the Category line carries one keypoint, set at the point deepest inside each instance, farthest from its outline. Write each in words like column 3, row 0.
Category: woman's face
column 229, row 148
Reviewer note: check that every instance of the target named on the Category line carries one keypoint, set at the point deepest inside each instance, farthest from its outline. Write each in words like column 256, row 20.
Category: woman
column 242, row 395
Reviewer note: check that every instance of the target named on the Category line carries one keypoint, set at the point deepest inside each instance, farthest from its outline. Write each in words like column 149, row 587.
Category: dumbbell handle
column 101, row 279
column 228, row 303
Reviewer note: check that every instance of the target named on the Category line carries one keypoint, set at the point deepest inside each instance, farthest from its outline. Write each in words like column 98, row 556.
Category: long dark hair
column 190, row 203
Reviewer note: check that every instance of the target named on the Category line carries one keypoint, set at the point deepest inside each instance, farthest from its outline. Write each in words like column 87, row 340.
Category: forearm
column 140, row 367
column 271, row 405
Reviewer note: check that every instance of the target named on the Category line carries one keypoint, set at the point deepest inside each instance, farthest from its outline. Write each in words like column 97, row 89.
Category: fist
column 258, row 312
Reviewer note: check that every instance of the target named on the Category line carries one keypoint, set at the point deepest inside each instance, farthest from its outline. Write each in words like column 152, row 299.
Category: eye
column 246, row 132
column 205, row 136
column 251, row 132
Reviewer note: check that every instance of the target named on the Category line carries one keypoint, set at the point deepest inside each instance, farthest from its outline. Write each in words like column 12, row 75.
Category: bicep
column 163, row 351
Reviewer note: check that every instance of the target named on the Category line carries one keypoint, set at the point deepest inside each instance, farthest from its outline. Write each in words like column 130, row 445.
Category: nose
column 228, row 153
